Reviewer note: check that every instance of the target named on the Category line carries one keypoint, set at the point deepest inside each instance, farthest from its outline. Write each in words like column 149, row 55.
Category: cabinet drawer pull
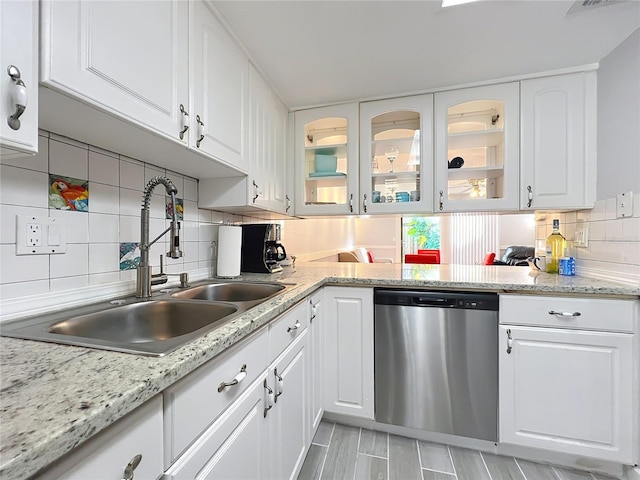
column 509, row 342
column 185, row 122
column 128, row 470
column 236, row 380
column 201, row 131
column 269, row 400
column 314, row 311
column 564, row 314
column 18, row 97
column 256, row 191
column 279, row 384
column 295, row 327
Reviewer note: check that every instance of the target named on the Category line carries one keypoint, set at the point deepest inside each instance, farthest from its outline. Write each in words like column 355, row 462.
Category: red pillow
column 370, row 256
column 489, row 258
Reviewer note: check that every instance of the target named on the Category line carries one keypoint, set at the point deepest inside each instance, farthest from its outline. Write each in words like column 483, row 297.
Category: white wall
column 382, row 236
column 314, row 238
column 619, row 120
column 516, row 230
column 91, row 265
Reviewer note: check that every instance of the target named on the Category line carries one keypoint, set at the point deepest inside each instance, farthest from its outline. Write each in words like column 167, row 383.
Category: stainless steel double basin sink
column 149, row 327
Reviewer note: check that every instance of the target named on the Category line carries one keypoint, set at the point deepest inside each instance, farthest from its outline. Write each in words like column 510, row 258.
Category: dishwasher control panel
column 429, row 298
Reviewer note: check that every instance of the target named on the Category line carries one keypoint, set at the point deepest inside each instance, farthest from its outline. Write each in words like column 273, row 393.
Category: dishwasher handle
column 440, row 302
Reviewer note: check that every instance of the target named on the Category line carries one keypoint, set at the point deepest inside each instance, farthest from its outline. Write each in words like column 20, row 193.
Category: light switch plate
column 581, row 235
column 40, row 235
column 624, row 205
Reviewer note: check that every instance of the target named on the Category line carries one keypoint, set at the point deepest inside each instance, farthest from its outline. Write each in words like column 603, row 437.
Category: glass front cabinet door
column 396, row 159
column 477, row 148
column 326, row 156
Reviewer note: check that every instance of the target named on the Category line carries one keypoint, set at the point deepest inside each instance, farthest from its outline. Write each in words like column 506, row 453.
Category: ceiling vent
column 584, row 5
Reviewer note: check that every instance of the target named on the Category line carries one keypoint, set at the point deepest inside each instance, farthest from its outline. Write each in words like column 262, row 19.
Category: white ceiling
column 322, row 52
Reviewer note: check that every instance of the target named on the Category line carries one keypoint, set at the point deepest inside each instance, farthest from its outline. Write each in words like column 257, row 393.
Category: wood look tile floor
column 340, row 452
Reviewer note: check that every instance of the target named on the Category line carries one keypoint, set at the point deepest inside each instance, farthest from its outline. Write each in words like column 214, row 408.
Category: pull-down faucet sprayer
column 144, row 273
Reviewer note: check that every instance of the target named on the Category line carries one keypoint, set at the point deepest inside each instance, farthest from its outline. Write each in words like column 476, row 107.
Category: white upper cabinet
column 18, row 85
column 396, row 155
column 130, row 58
column 268, row 119
column 219, row 86
column 558, row 142
column 326, row 160
column 266, row 187
column 476, row 160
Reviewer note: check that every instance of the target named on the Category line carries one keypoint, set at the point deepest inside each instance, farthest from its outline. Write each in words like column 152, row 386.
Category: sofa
column 361, row 255
column 423, row 256
column 516, row 255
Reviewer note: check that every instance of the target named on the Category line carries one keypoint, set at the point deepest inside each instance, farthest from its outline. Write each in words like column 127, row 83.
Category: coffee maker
column 261, row 248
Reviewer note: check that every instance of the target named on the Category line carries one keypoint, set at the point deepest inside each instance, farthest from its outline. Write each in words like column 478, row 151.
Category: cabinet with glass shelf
column 477, row 148
column 396, row 161
column 326, row 152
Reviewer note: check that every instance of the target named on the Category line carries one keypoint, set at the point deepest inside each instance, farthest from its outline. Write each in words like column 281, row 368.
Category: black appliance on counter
column 261, row 248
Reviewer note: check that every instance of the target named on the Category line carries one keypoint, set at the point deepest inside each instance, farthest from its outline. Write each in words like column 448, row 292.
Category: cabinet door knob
column 509, row 341
column 185, row 122
column 236, row 380
column 18, row 97
column 529, row 195
column 128, row 470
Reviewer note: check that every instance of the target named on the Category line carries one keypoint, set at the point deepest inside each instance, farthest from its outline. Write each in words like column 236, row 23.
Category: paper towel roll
column 229, row 247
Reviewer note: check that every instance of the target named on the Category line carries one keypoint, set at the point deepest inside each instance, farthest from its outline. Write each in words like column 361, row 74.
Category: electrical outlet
column 34, row 235
column 40, row 235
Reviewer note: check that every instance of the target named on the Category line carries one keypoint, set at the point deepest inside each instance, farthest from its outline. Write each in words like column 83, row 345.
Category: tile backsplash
column 115, row 186
column 613, row 250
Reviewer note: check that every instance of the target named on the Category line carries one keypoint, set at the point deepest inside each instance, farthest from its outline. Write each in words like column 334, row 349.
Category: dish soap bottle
column 555, row 247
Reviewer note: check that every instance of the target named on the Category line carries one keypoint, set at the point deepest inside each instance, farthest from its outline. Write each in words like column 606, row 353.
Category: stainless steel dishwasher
column 436, row 361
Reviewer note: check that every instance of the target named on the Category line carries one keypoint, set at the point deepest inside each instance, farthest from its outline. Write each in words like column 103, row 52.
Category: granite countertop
column 54, row 397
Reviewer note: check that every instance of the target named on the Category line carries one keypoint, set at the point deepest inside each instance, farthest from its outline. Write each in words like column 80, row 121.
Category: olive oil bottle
column 555, row 247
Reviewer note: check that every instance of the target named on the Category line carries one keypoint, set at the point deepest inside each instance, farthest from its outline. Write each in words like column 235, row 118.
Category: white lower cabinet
column 315, row 369
column 234, row 447
column 107, row 455
column 567, row 389
column 348, row 353
column 286, row 420
column 254, row 429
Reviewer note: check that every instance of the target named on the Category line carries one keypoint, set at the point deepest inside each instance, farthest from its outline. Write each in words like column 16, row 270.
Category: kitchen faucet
column 144, row 273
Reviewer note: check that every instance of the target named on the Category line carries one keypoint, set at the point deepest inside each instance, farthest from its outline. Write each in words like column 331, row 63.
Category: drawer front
column 287, row 328
column 107, row 454
column 568, row 312
column 194, row 402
